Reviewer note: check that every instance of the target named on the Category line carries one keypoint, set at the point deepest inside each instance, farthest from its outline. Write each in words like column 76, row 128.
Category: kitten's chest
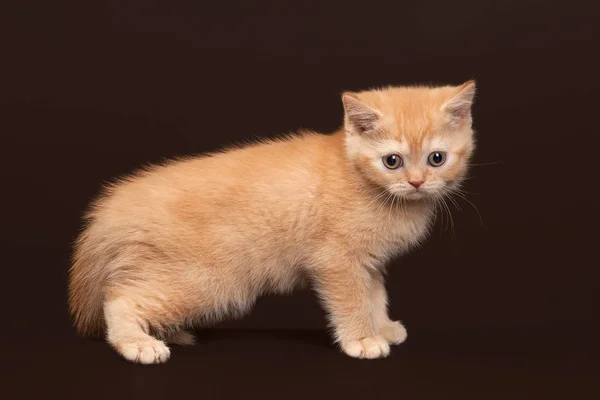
column 397, row 233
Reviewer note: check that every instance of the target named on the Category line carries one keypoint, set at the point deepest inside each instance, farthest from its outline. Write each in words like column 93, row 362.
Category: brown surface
column 90, row 90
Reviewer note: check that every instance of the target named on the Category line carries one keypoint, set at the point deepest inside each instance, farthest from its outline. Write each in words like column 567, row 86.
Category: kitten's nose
column 416, row 184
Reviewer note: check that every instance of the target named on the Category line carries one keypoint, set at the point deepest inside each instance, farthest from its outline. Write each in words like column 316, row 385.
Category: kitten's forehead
column 413, row 130
column 411, row 114
column 427, row 143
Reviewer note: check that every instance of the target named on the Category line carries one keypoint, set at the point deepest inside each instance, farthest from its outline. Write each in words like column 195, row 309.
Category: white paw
column 394, row 332
column 146, row 351
column 181, row 338
column 370, row 347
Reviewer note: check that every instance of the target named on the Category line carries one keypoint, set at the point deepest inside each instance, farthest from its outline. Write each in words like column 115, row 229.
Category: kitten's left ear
column 458, row 108
column 360, row 118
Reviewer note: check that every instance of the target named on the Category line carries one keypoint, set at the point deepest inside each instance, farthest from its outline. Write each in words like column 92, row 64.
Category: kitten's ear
column 360, row 118
column 458, row 108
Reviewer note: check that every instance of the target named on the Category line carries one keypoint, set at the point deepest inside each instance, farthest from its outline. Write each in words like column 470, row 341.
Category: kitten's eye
column 392, row 161
column 436, row 158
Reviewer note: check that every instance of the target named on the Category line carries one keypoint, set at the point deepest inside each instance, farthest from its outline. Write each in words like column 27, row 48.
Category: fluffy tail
column 86, row 288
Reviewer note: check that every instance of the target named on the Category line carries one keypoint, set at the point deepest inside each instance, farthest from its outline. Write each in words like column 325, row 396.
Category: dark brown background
column 91, row 90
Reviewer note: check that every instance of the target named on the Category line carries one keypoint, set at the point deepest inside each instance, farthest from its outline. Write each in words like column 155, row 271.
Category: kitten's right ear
column 458, row 108
column 359, row 118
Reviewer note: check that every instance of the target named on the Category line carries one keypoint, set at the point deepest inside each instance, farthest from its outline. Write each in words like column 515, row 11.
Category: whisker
column 460, row 195
column 392, row 209
column 383, row 205
column 450, row 217
column 466, row 192
column 454, row 203
column 377, row 198
column 481, row 164
column 439, row 209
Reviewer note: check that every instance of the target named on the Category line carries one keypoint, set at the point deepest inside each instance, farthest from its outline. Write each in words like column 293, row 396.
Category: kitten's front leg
column 393, row 331
column 345, row 292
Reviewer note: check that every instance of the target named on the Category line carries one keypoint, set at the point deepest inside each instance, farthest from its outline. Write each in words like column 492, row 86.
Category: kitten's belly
column 253, row 268
column 243, row 261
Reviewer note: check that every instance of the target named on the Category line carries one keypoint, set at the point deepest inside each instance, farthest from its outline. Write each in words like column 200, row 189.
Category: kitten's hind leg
column 126, row 332
column 181, row 338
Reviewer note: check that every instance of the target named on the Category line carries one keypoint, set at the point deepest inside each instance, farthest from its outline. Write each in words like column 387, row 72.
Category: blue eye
column 392, row 161
column 436, row 159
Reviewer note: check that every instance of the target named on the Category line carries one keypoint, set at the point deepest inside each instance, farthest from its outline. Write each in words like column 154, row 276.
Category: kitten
column 193, row 241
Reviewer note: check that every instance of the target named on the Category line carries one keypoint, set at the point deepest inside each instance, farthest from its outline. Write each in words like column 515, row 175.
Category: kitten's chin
column 414, row 195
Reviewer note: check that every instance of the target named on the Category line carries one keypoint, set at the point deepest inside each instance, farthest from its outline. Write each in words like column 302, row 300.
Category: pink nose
column 416, row 184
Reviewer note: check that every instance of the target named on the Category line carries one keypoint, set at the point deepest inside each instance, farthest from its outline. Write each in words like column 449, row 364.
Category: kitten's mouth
column 416, row 195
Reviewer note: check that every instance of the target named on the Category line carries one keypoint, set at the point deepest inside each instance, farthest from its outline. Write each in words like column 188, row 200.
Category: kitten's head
column 414, row 142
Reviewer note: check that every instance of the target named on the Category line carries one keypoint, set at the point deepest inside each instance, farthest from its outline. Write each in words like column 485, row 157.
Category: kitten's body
column 198, row 240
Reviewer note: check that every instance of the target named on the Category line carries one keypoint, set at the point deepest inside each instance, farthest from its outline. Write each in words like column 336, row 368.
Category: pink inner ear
column 460, row 112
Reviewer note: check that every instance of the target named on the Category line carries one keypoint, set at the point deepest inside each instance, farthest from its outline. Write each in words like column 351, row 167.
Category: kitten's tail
column 87, row 279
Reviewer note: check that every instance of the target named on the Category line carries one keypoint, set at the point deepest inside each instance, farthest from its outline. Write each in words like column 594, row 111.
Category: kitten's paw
column 145, row 351
column 394, row 332
column 370, row 347
column 181, row 338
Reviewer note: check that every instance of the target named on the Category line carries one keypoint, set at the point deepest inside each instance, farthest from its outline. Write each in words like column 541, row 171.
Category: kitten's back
column 161, row 202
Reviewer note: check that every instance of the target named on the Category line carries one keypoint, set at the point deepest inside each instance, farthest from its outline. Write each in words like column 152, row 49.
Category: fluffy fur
column 194, row 241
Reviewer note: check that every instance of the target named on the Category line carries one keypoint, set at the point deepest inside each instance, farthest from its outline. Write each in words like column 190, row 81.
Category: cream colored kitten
column 194, row 241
